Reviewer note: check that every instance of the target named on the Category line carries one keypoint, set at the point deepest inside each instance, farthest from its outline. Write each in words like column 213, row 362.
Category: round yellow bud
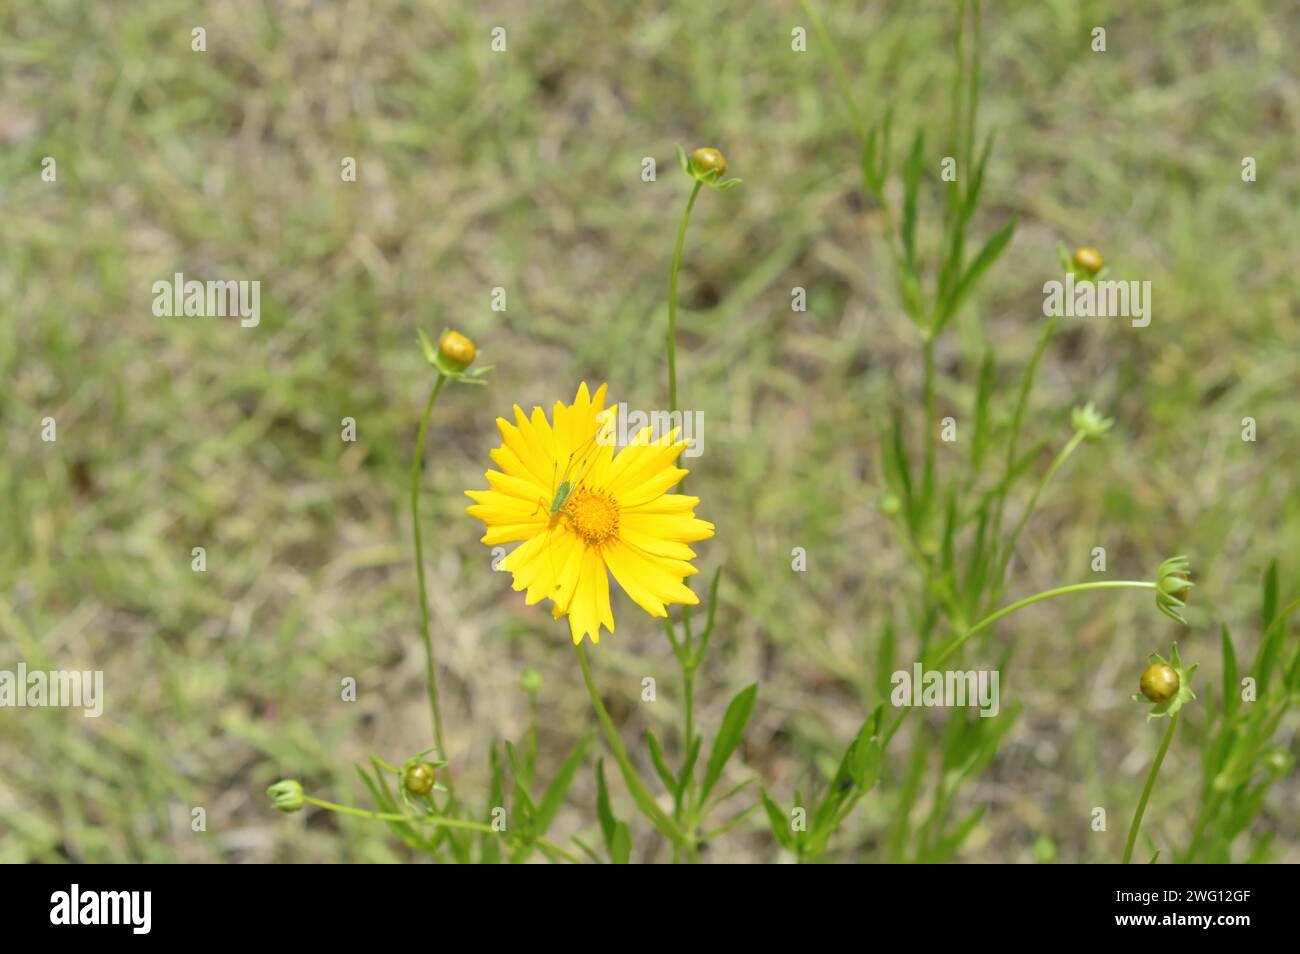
column 457, row 350
column 1088, row 259
column 1159, row 682
column 419, row 779
column 706, row 158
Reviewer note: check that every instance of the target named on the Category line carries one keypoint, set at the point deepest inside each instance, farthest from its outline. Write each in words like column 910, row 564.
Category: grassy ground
column 522, row 170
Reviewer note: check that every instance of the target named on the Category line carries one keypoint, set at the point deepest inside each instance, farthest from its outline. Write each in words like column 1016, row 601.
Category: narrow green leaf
column 989, row 254
column 779, row 822
column 587, row 850
column 978, row 566
column 554, row 795
column 983, row 400
column 490, row 844
column 729, row 733
column 1231, row 692
column 885, row 660
column 911, row 191
column 1270, row 595
column 977, row 180
column 692, row 756
column 698, row 656
column 604, row 813
column 948, row 549
column 951, row 843
column 1266, row 657
column 620, row 848
column 898, row 466
column 524, row 805
column 870, row 155
column 660, row 763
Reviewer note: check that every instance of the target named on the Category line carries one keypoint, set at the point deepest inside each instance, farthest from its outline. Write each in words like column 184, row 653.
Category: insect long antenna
column 584, row 461
column 547, row 504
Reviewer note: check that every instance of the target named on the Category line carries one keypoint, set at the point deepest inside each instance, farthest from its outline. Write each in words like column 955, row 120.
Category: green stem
column 430, row 673
column 439, row 820
column 927, row 476
column 684, row 800
column 1208, row 808
column 686, row 785
column 1146, row 792
column 973, row 97
column 672, row 297
column 640, row 793
column 841, row 76
column 1017, row 421
column 684, row 652
column 1060, row 459
column 992, row 618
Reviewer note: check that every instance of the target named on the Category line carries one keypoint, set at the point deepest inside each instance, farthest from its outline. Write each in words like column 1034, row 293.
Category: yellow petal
column 590, row 605
column 680, row 528
column 651, row 582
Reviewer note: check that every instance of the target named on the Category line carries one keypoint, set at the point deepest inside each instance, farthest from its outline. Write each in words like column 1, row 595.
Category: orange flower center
column 593, row 516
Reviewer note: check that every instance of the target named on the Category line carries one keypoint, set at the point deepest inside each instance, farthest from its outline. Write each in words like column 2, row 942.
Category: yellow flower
column 581, row 511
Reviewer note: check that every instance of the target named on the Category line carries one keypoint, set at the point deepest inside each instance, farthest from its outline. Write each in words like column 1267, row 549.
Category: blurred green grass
column 522, row 170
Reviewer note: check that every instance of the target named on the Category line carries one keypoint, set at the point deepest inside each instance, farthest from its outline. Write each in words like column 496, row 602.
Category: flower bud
column 287, row 795
column 419, row 779
column 456, row 350
column 531, row 680
column 706, row 159
column 1091, row 422
column 1159, row 682
column 1279, row 763
column 1088, row 260
column 1173, row 586
column 1166, row 686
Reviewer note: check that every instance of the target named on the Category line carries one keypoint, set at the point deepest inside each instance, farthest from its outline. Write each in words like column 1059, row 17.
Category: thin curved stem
column 672, row 297
column 1017, row 422
column 430, row 666
column 841, row 76
column 1146, row 791
column 1010, row 548
column 992, row 618
column 683, row 653
column 440, row 821
column 927, row 468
